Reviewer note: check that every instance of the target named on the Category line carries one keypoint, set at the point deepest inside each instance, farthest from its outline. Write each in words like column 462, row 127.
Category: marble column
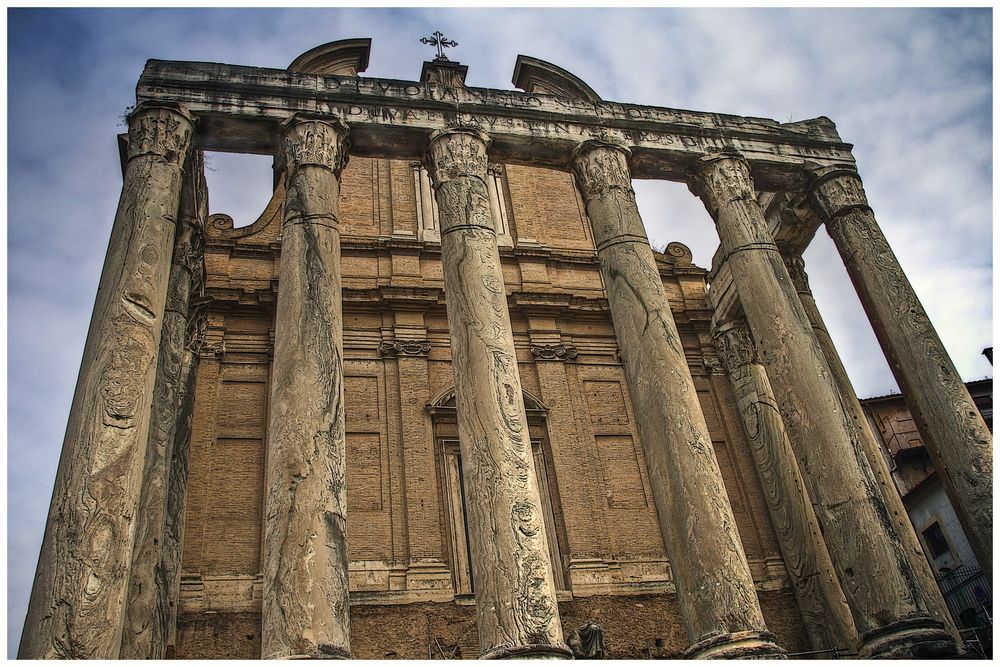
column 904, row 528
column 147, row 609
column 77, row 605
column 825, row 614
column 516, row 607
column 715, row 589
column 173, row 543
column 305, row 595
column 887, row 602
column 960, row 444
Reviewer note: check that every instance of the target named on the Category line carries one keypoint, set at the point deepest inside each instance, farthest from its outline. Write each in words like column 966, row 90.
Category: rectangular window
column 935, row 540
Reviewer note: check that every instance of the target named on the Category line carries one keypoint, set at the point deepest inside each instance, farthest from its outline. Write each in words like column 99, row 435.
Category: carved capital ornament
column 164, row 130
column 457, row 152
column 797, row 272
column 721, row 178
column 735, row 346
column 317, row 142
column 600, row 164
column 838, row 190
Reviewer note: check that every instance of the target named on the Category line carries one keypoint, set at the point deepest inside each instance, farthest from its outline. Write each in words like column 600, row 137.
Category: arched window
column 453, row 490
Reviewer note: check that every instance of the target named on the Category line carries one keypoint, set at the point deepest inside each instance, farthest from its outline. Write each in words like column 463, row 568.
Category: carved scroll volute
column 162, row 129
column 735, row 346
column 456, row 153
column 722, row 178
column 599, row 165
column 838, row 190
column 321, row 142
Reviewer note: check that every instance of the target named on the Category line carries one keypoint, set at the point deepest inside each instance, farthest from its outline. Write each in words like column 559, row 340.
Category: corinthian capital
column 160, row 129
column 837, row 190
column 734, row 345
column 721, row 178
column 314, row 141
column 457, row 153
column 599, row 165
column 797, row 271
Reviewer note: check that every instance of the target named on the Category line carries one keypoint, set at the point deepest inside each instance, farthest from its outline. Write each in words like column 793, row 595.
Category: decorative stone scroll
column 408, row 348
column 866, row 551
column 77, row 604
column 304, row 610
column 516, row 609
column 825, row 614
column 959, row 442
column 719, row 604
column 553, row 352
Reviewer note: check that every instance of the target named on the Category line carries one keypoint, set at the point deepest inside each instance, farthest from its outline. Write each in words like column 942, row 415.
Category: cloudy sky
column 911, row 89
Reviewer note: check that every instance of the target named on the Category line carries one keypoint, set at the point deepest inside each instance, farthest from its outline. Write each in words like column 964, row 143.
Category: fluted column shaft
column 516, row 607
column 953, row 430
column 904, row 528
column 715, row 589
column 886, row 600
column 77, row 605
column 305, row 595
column 825, row 613
column 147, row 609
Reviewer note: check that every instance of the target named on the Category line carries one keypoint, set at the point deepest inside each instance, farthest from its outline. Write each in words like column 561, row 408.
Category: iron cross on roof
column 438, row 40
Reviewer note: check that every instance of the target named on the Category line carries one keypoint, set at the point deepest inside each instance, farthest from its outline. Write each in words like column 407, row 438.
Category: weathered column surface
column 305, row 597
column 173, row 541
column 954, row 432
column 78, row 601
column 889, row 608
column 147, row 607
column 904, row 528
column 825, row 613
column 715, row 589
column 516, row 607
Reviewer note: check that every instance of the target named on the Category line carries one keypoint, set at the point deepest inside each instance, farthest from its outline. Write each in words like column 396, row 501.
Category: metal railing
column 969, row 596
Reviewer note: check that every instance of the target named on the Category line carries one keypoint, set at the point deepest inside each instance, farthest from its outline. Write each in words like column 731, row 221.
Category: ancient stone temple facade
column 442, row 399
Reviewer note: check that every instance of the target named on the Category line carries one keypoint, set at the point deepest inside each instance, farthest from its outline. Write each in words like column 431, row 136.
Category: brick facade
column 406, row 588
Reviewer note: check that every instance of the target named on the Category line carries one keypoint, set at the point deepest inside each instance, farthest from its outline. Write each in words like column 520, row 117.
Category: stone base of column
column 324, row 653
column 918, row 637
column 747, row 645
column 529, row 652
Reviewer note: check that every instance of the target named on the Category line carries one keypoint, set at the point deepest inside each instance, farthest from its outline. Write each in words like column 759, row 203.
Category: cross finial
column 438, row 40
